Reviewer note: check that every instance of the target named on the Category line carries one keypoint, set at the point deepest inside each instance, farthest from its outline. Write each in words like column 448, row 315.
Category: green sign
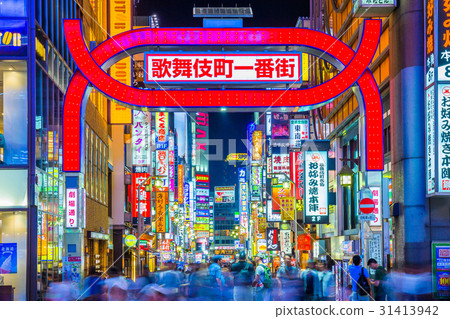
column 130, row 240
column 440, row 252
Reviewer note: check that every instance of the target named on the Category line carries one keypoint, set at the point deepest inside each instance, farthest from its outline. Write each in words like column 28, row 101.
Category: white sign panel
column 280, row 164
column 285, row 238
column 71, row 208
column 224, row 194
column 376, row 191
column 316, row 187
column 298, row 131
column 430, row 139
column 141, row 138
column 375, row 248
column 443, row 113
column 162, row 163
column 223, row 68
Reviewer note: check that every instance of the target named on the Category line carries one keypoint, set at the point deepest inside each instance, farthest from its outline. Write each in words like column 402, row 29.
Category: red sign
column 213, row 67
column 164, row 245
column 90, row 72
column 366, row 205
column 304, row 242
column 297, row 172
column 145, row 205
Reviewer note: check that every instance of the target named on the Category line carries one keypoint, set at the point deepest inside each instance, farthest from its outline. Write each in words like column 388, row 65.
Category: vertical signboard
column 377, row 211
column 242, row 174
column 316, row 187
column 430, row 109
column 201, row 139
column 71, row 208
column 120, row 21
column 429, row 41
column 243, row 207
column 443, row 135
column 297, row 173
column 180, row 183
column 187, row 200
column 141, row 138
column 375, row 248
column 272, row 239
column 257, row 146
column 440, row 252
column 161, row 212
column 141, row 203
column 443, row 40
column 256, row 183
column 285, row 240
column 298, row 131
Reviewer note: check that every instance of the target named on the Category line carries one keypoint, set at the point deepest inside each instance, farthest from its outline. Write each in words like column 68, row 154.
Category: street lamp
column 346, row 176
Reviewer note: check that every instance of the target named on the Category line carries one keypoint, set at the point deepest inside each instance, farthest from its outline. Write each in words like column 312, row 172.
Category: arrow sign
column 366, row 205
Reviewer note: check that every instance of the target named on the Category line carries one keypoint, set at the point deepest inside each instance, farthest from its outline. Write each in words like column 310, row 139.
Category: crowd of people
column 245, row 280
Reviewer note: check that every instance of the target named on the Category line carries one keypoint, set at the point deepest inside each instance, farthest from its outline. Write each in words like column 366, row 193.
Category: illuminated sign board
column 119, row 21
column 141, row 137
column 140, row 202
column 90, row 73
column 441, row 269
column 161, row 215
column 243, row 207
column 237, row 157
column 298, row 131
column 272, row 239
column 316, row 187
column 13, row 37
column 224, row 194
column 257, row 146
column 262, row 67
column 71, row 208
column 297, row 170
column 430, row 158
column 373, row 8
column 180, row 183
column 280, row 164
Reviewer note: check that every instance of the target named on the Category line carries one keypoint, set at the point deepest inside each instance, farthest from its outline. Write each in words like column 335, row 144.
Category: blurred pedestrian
column 243, row 273
column 311, row 282
column 217, row 279
column 93, row 287
column 327, row 283
column 379, row 282
column 263, row 280
column 290, row 277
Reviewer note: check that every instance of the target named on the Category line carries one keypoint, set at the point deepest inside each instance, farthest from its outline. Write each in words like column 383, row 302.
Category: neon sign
column 91, row 66
column 223, row 68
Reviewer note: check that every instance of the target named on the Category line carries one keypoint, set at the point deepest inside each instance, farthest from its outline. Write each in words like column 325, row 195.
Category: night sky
column 178, row 13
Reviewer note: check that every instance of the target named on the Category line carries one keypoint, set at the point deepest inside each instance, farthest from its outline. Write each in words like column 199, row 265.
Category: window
column 13, row 113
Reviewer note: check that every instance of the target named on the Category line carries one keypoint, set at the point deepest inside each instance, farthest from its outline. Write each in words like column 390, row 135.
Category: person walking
column 243, row 273
column 290, row 281
column 263, row 279
column 379, row 281
column 311, row 282
column 327, row 283
column 360, row 280
column 217, row 279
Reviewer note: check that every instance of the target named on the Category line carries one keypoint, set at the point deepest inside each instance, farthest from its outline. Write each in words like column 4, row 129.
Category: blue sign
column 202, row 213
column 8, row 258
column 13, row 37
column 242, row 174
column 162, row 145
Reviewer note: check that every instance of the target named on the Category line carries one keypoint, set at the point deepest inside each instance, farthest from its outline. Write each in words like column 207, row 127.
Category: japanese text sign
column 161, row 212
column 272, row 239
column 298, row 131
column 71, row 208
column 316, row 187
column 223, row 68
column 141, row 138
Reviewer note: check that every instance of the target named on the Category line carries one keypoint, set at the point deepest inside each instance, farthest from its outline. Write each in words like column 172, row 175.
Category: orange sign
column 180, row 183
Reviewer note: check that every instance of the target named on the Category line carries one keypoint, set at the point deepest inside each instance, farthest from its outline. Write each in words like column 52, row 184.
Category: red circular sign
column 366, row 205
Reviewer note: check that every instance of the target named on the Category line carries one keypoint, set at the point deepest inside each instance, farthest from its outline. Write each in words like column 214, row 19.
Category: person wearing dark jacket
column 243, row 273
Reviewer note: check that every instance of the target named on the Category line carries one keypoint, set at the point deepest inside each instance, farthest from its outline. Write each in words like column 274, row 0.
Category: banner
column 161, row 203
column 287, row 208
column 141, row 138
column 216, row 67
column 243, row 207
column 120, row 20
column 272, row 239
column 285, row 241
column 316, row 187
column 224, row 194
column 72, row 208
column 257, row 146
column 298, row 131
column 145, row 202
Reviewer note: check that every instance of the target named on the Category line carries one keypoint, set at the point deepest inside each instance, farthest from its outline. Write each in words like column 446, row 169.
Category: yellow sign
column 262, row 224
column 257, row 145
column 130, row 240
column 204, row 227
column 120, row 21
column 160, row 208
column 287, row 208
column 237, row 157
